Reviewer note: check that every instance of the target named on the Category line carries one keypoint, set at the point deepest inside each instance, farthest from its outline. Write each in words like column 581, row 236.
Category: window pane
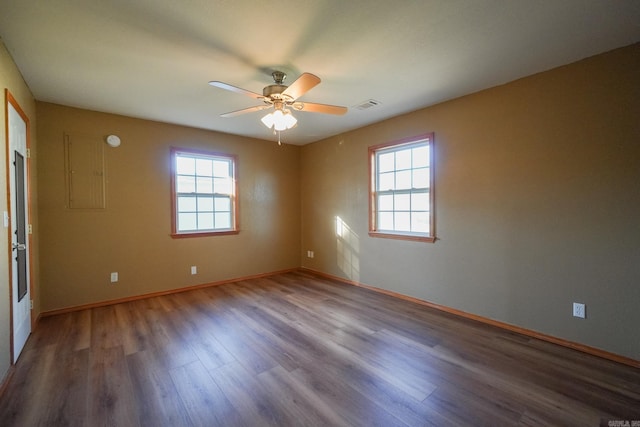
column 420, row 222
column 186, row 184
column 223, row 219
column 385, row 221
column 204, row 185
column 204, row 167
column 403, row 159
column 386, row 162
column 222, row 204
column 185, row 165
column 186, row 221
column 205, row 204
column 186, row 204
column 385, row 202
column 420, row 201
column 421, row 157
column 421, row 178
column 402, row 202
column 205, row 221
column 222, row 185
column 221, row 168
column 403, row 180
column 402, row 221
column 386, row 181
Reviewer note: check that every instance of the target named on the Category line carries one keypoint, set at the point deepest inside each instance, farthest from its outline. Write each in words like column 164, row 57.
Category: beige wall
column 11, row 78
column 131, row 236
column 537, row 204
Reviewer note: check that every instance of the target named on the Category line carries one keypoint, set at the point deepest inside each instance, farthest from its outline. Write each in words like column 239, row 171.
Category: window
column 203, row 193
column 401, row 191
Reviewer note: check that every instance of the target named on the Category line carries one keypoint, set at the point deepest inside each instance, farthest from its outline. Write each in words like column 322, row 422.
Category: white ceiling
column 152, row 59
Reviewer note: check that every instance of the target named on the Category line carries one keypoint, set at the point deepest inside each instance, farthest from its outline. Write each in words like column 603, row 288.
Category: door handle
column 19, row 246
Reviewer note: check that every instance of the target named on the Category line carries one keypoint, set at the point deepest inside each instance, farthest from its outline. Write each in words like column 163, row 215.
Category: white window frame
column 217, row 193
column 379, row 211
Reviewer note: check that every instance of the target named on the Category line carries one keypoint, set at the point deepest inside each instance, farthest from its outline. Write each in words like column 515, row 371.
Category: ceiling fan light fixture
column 279, row 120
column 289, row 120
column 268, row 120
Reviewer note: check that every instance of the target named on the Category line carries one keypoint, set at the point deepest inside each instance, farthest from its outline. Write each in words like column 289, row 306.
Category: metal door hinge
column 30, row 229
column 30, row 304
column 28, row 153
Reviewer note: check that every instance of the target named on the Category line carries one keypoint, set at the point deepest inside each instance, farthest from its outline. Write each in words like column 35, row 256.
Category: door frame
column 10, row 100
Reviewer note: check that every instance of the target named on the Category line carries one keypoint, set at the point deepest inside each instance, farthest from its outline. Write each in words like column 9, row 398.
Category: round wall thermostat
column 113, row 140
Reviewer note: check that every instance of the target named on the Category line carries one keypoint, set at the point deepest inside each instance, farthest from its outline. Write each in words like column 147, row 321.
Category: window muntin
column 402, row 189
column 203, row 196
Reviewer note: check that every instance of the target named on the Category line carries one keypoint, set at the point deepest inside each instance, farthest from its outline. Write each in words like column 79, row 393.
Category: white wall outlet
column 310, row 254
column 579, row 310
column 114, row 277
column 5, row 219
column 194, row 269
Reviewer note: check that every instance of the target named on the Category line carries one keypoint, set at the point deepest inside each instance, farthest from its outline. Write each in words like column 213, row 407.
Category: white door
column 21, row 298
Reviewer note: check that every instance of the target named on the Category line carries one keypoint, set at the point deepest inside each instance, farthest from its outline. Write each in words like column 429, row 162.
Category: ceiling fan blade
column 227, row 86
column 302, row 85
column 320, row 108
column 245, row 110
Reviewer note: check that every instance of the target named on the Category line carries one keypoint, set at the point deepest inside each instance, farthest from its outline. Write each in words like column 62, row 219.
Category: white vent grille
column 367, row 104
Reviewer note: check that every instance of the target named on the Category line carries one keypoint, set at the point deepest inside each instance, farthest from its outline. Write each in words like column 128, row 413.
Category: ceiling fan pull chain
column 279, row 143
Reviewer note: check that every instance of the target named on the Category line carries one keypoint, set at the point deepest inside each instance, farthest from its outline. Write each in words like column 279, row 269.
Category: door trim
column 10, row 100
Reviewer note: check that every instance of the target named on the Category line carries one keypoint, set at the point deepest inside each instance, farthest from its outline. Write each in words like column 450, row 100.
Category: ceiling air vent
column 367, row 104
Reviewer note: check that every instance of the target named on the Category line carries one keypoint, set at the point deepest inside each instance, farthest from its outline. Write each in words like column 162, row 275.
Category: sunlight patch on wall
column 348, row 250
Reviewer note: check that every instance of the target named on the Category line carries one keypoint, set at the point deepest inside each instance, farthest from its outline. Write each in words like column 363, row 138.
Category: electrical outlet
column 579, row 310
column 194, row 269
column 310, row 254
column 114, row 277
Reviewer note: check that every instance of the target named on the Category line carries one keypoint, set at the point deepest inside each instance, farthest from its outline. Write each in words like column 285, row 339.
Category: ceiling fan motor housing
column 272, row 90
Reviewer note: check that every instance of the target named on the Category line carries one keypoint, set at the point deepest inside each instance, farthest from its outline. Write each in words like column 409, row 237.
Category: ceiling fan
column 282, row 98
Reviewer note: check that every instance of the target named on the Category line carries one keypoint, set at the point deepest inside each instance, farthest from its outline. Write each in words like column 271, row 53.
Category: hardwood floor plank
column 72, row 332
column 453, row 410
column 155, row 394
column 66, row 396
column 254, row 402
column 351, row 405
column 387, row 362
column 105, row 332
column 573, row 363
column 298, row 349
column 386, row 395
column 24, row 402
column 111, row 401
column 133, row 327
column 170, row 349
column 223, row 328
column 524, row 390
column 287, row 345
column 192, row 327
column 302, row 404
column 205, row 403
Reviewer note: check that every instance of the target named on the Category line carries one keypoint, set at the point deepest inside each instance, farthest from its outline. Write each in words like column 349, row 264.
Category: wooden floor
column 295, row 349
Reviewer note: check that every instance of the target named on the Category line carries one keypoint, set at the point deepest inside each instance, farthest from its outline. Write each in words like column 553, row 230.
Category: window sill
column 397, row 236
column 203, row 234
